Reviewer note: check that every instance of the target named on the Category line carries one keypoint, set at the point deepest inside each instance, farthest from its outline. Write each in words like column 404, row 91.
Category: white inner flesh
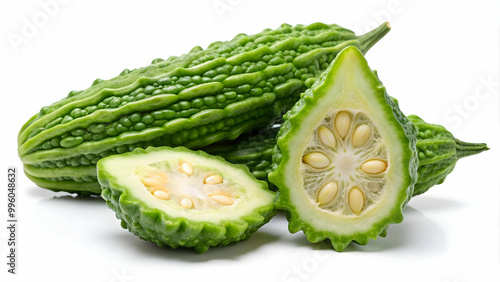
column 345, row 166
column 180, row 185
column 129, row 172
column 349, row 86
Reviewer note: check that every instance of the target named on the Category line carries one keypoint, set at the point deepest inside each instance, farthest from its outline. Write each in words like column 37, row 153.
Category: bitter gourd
column 439, row 151
column 346, row 158
column 192, row 100
column 181, row 198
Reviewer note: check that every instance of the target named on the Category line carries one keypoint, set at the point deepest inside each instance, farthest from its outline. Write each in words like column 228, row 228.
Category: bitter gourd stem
column 465, row 149
column 369, row 39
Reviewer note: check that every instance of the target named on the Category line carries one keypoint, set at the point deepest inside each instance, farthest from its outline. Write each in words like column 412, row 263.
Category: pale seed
column 162, row 195
column 374, row 166
column 343, row 123
column 356, row 200
column 213, row 179
column 186, row 203
column 326, row 136
column 361, row 135
column 327, row 193
column 160, row 175
column 152, row 182
column 316, row 160
column 187, row 168
column 221, row 199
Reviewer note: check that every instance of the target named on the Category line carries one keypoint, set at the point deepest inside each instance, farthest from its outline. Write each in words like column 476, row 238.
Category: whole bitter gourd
column 439, row 151
column 192, row 100
column 346, row 157
column 181, row 198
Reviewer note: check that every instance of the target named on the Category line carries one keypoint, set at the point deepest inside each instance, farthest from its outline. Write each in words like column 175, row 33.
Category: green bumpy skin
column 193, row 100
column 130, row 183
column 322, row 185
column 439, row 151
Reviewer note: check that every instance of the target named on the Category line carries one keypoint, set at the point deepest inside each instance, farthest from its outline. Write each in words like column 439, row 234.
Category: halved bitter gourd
column 181, row 198
column 346, row 159
column 438, row 152
column 193, row 100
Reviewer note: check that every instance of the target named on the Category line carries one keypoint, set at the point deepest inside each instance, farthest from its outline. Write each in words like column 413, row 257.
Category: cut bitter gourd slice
column 181, row 198
column 346, row 159
column 438, row 152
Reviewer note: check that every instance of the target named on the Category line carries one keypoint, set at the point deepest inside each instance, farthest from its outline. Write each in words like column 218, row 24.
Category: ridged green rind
column 193, row 100
column 159, row 227
column 438, row 153
column 293, row 121
column 80, row 188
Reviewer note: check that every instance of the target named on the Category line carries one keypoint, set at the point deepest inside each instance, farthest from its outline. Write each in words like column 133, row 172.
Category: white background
column 440, row 60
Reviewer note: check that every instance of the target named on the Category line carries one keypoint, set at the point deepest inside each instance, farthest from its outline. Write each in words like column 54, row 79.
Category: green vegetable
column 180, row 198
column 438, row 153
column 254, row 150
column 346, row 158
column 193, row 100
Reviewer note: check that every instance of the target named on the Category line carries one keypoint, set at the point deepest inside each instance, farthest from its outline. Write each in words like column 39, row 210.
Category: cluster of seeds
column 344, row 164
column 195, row 190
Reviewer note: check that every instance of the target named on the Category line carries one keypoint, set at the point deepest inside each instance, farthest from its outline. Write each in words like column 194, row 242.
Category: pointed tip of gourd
column 369, row 39
column 465, row 149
